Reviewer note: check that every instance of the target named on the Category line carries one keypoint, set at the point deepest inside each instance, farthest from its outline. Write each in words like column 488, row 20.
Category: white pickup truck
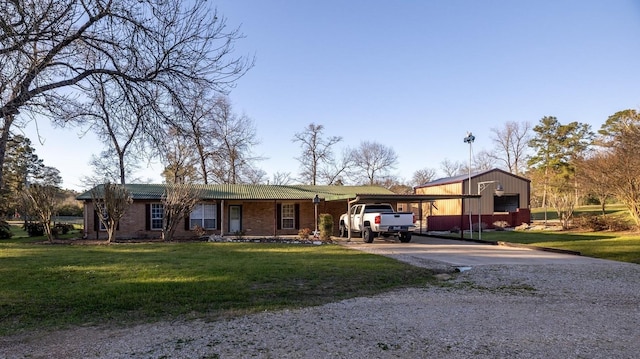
column 371, row 220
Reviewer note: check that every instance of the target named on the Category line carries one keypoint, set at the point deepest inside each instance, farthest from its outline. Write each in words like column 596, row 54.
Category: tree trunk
column 4, row 139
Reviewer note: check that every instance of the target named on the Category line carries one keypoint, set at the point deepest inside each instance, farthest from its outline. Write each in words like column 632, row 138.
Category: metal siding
column 444, row 207
column 512, row 185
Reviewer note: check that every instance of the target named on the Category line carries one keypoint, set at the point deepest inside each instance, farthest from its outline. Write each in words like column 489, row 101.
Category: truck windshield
column 378, row 209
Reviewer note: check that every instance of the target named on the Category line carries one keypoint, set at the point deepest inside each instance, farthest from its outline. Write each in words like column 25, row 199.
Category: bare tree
column 235, row 136
column 423, row 176
column 159, row 50
column 105, row 168
column 512, row 143
column 281, row 178
column 119, row 119
column 374, row 160
column 482, row 161
column 336, row 170
column 452, row 168
column 594, row 176
column 219, row 142
column 395, row 185
column 110, row 202
column 618, row 136
column 41, row 200
column 180, row 166
column 254, row 175
column 177, row 202
column 197, row 130
column 316, row 151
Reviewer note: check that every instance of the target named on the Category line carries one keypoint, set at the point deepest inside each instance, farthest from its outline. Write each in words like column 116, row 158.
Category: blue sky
column 413, row 75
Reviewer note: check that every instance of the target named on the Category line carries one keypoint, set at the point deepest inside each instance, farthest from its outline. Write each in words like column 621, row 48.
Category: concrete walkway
column 464, row 253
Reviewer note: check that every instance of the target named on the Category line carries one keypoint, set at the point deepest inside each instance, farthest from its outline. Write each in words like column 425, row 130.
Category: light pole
column 316, row 202
column 469, row 139
column 499, row 191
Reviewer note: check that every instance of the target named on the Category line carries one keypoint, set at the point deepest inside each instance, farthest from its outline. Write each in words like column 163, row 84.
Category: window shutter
column 279, row 215
column 96, row 220
column 296, row 215
column 147, row 216
column 186, row 223
column 218, row 215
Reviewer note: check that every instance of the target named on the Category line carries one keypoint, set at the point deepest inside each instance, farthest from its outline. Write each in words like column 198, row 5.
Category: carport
column 402, row 198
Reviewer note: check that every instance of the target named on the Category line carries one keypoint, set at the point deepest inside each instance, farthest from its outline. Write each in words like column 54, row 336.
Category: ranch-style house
column 230, row 209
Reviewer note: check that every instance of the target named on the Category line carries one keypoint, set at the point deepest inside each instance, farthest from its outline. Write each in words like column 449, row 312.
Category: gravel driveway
column 570, row 309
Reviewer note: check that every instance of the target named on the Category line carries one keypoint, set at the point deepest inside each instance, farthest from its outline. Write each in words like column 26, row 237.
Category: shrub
column 304, row 233
column 198, row 231
column 34, row 229
column 63, row 228
column 239, row 234
column 326, row 226
column 455, row 229
column 617, row 224
column 5, row 230
column 598, row 223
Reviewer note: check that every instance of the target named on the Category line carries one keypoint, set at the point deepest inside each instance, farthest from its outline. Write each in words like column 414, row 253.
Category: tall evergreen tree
column 557, row 148
column 21, row 167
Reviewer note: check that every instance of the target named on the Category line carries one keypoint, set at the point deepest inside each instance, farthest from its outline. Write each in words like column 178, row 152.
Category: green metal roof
column 252, row 192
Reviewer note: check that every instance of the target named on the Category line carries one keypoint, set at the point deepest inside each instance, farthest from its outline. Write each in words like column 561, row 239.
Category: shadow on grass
column 55, row 285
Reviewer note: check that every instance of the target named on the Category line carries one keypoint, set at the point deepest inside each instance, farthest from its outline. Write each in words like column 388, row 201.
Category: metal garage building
column 511, row 206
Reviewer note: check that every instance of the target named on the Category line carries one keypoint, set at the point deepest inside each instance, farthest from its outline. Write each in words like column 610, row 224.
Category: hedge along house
column 511, row 207
column 230, row 209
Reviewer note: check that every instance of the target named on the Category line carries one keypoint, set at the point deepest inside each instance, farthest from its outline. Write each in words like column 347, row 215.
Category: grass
column 537, row 214
column 623, row 247
column 45, row 286
column 618, row 246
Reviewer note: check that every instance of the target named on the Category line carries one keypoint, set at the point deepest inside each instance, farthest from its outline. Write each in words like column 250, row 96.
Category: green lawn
column 537, row 214
column 619, row 246
column 51, row 286
column 622, row 247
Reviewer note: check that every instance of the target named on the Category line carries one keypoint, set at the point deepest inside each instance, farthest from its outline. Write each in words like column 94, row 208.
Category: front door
column 235, row 219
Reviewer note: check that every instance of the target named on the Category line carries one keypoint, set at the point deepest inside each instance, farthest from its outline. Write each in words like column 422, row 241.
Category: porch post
column 222, row 218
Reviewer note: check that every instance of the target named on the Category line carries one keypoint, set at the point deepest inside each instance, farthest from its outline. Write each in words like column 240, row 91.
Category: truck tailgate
column 396, row 219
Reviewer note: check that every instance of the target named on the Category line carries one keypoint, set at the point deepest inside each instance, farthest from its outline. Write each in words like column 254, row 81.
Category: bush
column 455, row 229
column 199, row 231
column 34, row 229
column 5, row 230
column 304, row 233
column 326, row 226
column 63, row 228
column 597, row 223
column 239, row 234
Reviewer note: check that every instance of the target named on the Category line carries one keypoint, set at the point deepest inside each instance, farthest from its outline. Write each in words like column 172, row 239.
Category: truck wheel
column 343, row 232
column 367, row 235
column 405, row 237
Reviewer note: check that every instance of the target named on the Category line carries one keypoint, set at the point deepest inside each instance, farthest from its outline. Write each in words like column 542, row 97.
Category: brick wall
column 259, row 218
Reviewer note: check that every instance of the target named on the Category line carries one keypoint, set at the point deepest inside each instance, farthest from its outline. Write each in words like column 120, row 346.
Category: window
column 203, row 215
column 103, row 210
column 507, row 203
column 288, row 216
column 157, row 213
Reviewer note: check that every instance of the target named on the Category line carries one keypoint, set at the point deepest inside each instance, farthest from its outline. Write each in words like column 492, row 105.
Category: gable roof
column 251, row 192
column 465, row 177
